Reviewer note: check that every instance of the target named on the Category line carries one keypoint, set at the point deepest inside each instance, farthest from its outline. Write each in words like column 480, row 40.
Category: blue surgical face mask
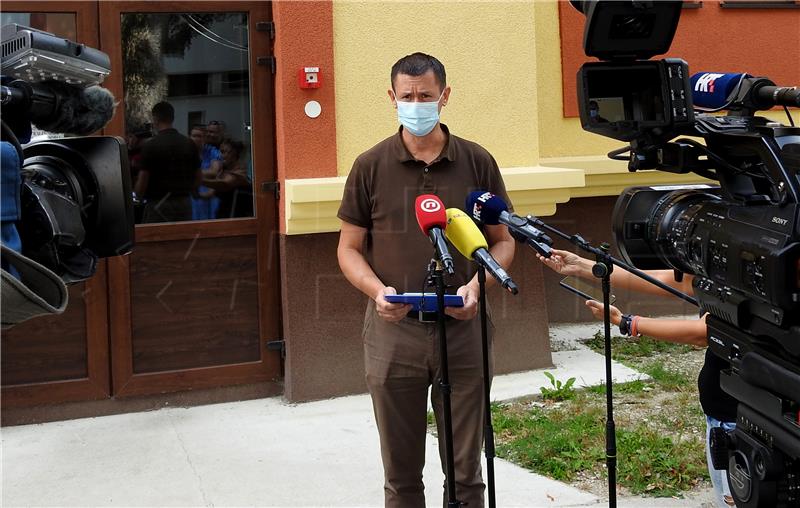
column 419, row 118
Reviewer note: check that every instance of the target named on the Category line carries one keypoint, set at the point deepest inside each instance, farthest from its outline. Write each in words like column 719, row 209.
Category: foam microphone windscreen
column 485, row 207
column 79, row 111
column 430, row 213
column 463, row 233
column 712, row 90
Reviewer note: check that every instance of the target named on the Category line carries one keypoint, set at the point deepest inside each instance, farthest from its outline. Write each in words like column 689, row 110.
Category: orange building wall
column 306, row 147
column 761, row 42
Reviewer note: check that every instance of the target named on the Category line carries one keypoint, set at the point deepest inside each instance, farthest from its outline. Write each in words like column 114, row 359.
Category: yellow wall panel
column 488, row 50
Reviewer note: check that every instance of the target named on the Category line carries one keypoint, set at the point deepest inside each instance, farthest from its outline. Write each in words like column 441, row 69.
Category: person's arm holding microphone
column 566, row 263
column 683, row 331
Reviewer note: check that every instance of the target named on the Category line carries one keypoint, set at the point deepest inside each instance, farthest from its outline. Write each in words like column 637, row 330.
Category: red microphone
column 432, row 220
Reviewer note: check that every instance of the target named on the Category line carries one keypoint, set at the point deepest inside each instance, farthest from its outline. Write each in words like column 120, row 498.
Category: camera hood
column 628, row 30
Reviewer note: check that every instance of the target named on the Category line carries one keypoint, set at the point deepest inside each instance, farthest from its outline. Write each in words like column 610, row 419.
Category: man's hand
column 470, row 308
column 597, row 309
column 391, row 312
column 565, row 263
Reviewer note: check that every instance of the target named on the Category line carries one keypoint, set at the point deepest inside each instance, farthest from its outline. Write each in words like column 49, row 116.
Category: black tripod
column 436, row 277
column 604, row 265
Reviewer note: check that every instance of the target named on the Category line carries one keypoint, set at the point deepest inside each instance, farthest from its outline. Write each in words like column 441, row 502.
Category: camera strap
column 38, row 291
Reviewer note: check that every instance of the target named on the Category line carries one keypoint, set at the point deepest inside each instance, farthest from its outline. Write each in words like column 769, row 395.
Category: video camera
column 740, row 239
column 67, row 200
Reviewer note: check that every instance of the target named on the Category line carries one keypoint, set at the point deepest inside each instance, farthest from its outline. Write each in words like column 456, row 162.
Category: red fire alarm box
column 309, row 77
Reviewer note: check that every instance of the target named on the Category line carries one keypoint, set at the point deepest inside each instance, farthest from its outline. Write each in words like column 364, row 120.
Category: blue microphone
column 715, row 90
column 486, row 208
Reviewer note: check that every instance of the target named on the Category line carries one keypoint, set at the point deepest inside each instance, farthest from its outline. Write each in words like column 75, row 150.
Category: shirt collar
column 403, row 155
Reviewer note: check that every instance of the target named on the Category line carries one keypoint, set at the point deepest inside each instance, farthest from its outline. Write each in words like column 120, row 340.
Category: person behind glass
column 215, row 133
column 169, row 173
column 231, row 185
column 718, row 406
column 381, row 250
column 135, row 141
column 205, row 205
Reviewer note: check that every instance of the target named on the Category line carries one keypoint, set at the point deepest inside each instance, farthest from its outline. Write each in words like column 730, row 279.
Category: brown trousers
column 402, row 360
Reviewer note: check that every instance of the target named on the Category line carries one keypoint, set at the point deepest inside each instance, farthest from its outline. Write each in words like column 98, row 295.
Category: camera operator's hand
column 597, row 309
column 567, row 263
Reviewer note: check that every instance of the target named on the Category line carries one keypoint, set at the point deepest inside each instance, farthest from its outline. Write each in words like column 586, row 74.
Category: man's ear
column 392, row 97
column 446, row 96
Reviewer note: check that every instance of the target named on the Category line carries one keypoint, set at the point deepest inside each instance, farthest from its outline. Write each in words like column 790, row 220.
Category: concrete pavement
column 263, row 453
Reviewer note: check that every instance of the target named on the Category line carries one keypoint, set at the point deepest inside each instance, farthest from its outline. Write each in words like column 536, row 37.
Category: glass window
column 62, row 24
column 186, row 80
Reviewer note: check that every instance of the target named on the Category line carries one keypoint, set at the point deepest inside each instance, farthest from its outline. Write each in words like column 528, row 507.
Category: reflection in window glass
column 187, row 114
column 62, row 24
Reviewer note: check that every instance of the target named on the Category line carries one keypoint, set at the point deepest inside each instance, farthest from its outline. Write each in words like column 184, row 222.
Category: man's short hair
column 417, row 64
column 198, row 127
column 163, row 112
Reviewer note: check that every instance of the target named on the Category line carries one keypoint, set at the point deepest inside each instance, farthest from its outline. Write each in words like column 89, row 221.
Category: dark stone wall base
column 90, row 409
column 323, row 317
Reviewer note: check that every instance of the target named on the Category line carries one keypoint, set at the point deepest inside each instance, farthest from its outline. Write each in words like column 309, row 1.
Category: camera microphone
column 487, row 208
column 59, row 107
column 714, row 91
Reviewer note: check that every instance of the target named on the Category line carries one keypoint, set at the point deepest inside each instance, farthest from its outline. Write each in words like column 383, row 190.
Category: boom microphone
column 432, row 220
column 487, row 208
column 54, row 106
column 467, row 238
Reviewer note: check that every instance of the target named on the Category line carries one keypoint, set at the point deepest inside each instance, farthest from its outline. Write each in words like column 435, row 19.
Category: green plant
column 559, row 391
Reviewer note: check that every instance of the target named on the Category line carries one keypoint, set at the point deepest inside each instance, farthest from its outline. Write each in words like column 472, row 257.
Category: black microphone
column 467, row 238
column 487, row 208
column 432, row 220
column 54, row 106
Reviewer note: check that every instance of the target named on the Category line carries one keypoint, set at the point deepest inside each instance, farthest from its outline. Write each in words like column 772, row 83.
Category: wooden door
column 59, row 358
column 196, row 302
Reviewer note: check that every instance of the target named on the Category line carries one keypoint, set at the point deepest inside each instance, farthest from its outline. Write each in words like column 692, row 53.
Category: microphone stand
column 604, row 265
column 602, row 269
column 436, row 277
column 488, row 431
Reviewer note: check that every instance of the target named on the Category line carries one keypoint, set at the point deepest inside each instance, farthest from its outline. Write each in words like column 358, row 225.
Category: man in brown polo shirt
column 382, row 251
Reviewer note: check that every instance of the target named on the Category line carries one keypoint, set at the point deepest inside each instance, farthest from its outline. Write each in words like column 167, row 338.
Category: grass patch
column 568, row 440
column 638, row 386
column 660, row 427
column 635, row 347
column 667, row 378
column 557, row 444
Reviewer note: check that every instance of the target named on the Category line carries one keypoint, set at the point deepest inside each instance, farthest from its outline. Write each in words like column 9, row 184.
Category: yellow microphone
column 465, row 236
